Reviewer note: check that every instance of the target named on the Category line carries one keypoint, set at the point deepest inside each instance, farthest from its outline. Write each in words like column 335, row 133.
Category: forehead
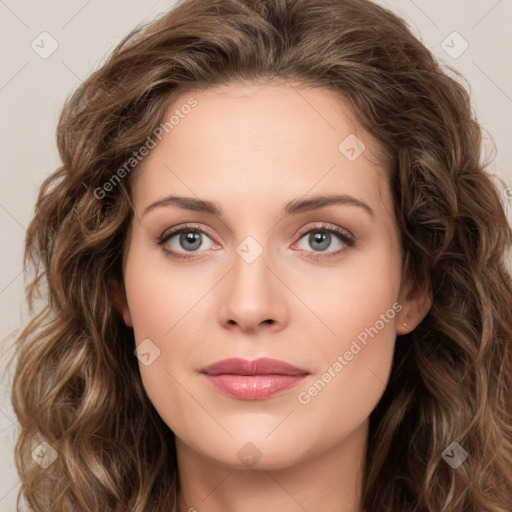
column 248, row 143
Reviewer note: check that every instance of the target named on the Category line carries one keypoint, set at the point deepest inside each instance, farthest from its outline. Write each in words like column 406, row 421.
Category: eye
column 187, row 239
column 321, row 238
column 177, row 242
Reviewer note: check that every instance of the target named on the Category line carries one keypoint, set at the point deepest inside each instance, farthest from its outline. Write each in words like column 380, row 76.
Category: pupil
column 319, row 238
column 191, row 237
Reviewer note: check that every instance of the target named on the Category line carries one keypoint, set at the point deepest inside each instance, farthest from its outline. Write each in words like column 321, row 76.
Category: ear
column 416, row 301
column 120, row 302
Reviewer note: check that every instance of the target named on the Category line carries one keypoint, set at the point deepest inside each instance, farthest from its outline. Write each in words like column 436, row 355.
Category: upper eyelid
column 326, row 227
column 321, row 225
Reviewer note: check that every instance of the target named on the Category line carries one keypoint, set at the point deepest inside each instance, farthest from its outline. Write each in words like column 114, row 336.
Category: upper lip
column 263, row 366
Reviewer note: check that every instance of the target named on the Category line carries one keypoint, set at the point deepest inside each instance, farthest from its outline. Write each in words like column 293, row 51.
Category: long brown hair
column 77, row 385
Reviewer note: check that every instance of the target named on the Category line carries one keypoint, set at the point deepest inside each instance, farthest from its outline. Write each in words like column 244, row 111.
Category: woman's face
column 264, row 277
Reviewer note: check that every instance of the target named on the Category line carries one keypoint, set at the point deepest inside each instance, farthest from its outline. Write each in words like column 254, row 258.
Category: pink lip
column 252, row 380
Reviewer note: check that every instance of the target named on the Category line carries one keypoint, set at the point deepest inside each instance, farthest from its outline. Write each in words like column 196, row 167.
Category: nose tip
column 252, row 297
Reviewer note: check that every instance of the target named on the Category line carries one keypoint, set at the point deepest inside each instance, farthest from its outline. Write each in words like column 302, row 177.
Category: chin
column 253, row 451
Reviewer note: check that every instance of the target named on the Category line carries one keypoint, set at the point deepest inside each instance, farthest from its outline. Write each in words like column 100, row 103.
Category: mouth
column 253, row 380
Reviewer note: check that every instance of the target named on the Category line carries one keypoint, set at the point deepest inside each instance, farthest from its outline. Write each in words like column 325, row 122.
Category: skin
column 251, row 148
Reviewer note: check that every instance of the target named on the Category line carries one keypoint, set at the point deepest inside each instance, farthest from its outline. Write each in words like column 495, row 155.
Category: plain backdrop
column 473, row 37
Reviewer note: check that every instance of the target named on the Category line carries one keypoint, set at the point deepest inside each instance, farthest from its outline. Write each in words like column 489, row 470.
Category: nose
column 253, row 298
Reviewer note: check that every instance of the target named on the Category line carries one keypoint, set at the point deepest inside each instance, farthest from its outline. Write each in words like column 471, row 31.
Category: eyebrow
column 293, row 207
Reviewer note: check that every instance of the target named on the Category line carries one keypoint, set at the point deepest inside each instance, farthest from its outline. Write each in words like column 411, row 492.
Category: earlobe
column 127, row 317
column 120, row 302
column 416, row 300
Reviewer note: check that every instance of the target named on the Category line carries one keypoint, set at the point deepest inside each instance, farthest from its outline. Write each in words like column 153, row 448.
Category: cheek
column 354, row 359
column 161, row 303
column 358, row 301
column 159, row 294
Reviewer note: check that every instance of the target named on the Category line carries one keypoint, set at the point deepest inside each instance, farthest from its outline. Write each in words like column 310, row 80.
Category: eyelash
column 343, row 235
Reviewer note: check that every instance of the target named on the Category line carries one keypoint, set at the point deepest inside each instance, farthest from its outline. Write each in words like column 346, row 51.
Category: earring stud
column 405, row 324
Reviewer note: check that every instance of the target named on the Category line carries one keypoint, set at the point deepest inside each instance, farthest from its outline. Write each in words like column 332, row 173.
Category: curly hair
column 77, row 384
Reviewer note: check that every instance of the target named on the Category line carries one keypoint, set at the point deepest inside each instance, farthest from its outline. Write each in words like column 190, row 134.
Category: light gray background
column 32, row 91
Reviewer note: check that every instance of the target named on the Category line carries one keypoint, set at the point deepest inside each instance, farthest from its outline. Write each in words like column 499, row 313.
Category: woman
column 254, row 369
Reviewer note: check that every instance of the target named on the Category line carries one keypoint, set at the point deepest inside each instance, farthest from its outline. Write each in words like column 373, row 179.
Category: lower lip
column 253, row 387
